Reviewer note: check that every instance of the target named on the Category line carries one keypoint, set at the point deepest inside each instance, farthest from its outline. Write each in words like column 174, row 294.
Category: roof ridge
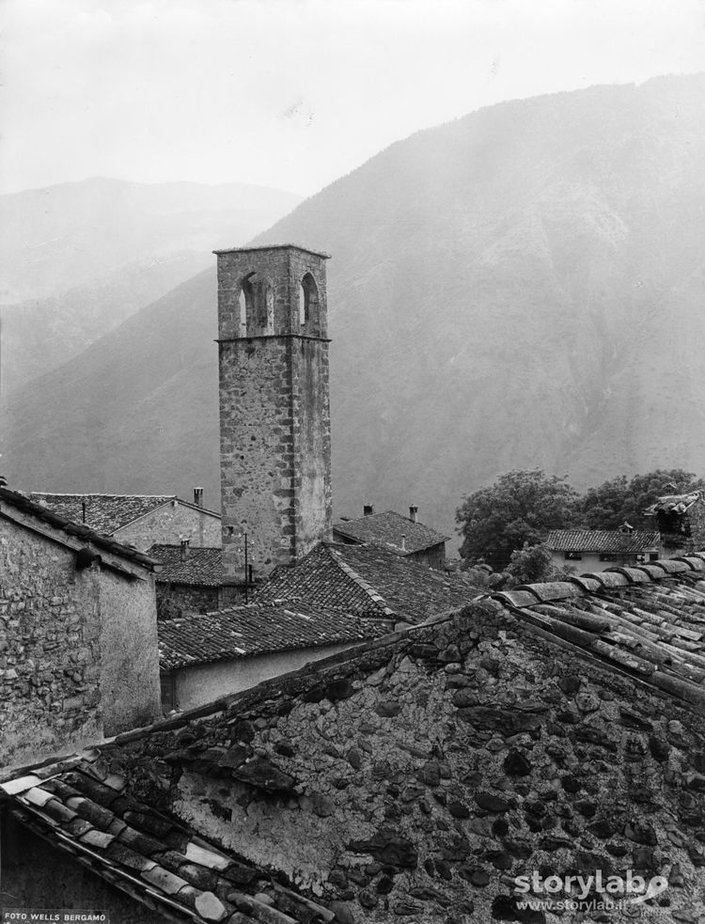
column 545, row 591
column 374, row 595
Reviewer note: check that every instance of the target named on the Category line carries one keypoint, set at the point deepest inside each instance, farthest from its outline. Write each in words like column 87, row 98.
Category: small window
column 246, row 300
column 573, row 556
column 606, row 557
column 653, row 556
column 308, row 300
column 269, row 300
column 168, row 688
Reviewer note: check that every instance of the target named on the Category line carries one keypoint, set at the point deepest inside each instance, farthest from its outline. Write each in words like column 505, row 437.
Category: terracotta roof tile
column 201, row 566
column 651, row 623
column 392, row 531
column 602, row 540
column 253, row 629
column 137, row 863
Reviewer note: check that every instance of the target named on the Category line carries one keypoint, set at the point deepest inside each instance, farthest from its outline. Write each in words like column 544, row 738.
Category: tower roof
column 316, row 253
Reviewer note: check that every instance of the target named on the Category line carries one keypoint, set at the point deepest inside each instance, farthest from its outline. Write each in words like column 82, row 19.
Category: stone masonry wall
column 414, row 782
column 49, row 648
column 274, row 410
column 129, row 652
column 170, row 524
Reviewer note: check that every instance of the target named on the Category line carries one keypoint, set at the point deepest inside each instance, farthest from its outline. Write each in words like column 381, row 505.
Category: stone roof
column 107, row 513
column 259, row 628
column 392, row 531
column 369, row 581
column 201, row 566
column 602, row 540
column 415, row 776
column 77, row 531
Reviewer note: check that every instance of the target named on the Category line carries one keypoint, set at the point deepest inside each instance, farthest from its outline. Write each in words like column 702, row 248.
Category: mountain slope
column 77, row 259
column 521, row 287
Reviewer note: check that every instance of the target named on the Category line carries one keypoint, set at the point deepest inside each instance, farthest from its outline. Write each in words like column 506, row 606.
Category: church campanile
column 274, row 405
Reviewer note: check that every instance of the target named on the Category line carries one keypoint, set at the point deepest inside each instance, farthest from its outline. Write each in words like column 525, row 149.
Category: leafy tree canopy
column 621, row 500
column 516, row 510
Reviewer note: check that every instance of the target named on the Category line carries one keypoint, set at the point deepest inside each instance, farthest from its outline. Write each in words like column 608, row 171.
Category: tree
column 618, row 500
column 518, row 509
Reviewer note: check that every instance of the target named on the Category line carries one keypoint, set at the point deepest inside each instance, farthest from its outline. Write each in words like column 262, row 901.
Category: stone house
column 402, row 535
column 680, row 519
column 140, row 520
column 78, row 646
column 206, row 656
column 422, row 776
column 599, row 549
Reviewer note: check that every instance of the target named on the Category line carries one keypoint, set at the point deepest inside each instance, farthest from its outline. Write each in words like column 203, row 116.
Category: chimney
column 184, row 549
column 413, row 512
column 403, row 543
column 198, row 497
column 368, row 510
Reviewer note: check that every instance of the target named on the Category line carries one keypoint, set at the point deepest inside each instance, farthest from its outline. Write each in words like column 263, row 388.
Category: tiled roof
column 79, row 531
column 368, row 581
column 602, row 540
column 674, row 503
column 648, row 620
column 392, row 531
column 202, row 566
column 87, row 812
column 104, row 512
column 259, row 628
column 287, row 740
column 107, row 513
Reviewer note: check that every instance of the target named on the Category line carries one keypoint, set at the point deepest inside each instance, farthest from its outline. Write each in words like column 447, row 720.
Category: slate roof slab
column 392, row 531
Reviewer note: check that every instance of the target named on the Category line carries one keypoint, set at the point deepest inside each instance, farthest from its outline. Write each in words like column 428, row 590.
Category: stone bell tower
column 274, row 405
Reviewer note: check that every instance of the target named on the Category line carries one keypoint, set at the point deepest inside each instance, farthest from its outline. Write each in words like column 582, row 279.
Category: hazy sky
column 294, row 93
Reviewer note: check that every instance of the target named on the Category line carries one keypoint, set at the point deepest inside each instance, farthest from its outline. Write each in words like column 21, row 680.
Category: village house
column 413, row 777
column 140, row 520
column 599, row 549
column 680, row 519
column 401, row 535
column 190, row 580
column 78, row 647
column 203, row 657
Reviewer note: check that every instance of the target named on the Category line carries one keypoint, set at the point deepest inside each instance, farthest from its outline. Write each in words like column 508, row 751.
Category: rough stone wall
column 49, row 648
column 129, row 652
column 78, row 649
column 416, row 782
column 174, row 600
column 274, row 412
column 36, row 876
column 170, row 524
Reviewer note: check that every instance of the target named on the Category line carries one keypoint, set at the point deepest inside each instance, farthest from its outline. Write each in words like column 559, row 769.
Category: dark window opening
column 573, row 556
column 308, row 301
